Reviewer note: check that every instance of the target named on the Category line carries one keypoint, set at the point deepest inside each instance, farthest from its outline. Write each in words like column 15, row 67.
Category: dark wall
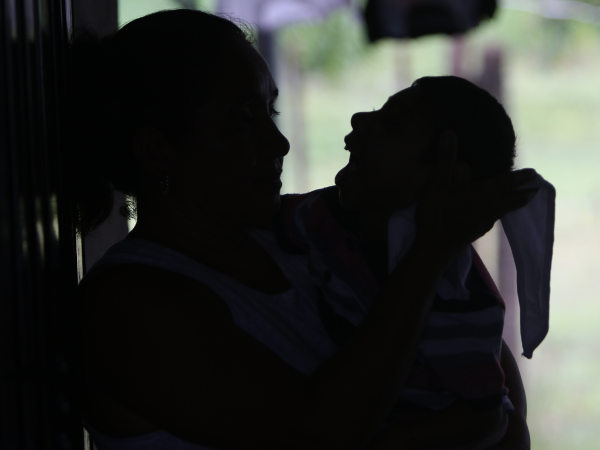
column 99, row 16
column 38, row 247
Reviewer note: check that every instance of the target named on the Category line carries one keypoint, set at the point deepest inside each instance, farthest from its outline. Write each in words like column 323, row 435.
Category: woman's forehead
column 246, row 71
column 242, row 76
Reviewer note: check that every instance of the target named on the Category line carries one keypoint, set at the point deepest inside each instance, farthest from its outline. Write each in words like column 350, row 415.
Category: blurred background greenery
column 552, row 92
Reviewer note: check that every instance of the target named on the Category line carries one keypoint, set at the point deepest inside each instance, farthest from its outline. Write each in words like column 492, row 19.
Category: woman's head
column 181, row 94
column 392, row 150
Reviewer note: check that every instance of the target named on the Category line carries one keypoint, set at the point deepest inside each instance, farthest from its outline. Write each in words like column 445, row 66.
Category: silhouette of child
column 353, row 234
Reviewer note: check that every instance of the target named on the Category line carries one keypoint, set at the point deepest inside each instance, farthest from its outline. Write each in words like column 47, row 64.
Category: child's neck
column 373, row 225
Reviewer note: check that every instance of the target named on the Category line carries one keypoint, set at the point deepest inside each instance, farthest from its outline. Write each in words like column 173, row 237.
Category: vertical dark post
column 38, row 256
column 457, row 55
column 402, row 64
column 491, row 80
column 102, row 18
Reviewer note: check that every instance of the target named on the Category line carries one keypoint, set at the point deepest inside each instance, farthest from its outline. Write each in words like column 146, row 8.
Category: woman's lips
column 269, row 181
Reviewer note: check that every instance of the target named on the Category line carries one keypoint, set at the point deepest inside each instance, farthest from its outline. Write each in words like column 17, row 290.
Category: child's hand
column 451, row 217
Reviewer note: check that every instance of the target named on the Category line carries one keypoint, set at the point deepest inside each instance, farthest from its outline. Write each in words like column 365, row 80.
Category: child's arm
column 454, row 427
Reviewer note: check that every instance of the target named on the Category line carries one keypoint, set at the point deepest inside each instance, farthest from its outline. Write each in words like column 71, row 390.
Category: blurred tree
column 206, row 5
column 329, row 46
column 591, row 2
column 556, row 39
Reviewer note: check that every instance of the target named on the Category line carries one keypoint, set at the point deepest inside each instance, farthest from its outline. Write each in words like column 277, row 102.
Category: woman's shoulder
column 127, row 289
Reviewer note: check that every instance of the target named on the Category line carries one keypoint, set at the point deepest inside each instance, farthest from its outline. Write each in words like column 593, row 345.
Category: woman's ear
column 461, row 173
column 152, row 151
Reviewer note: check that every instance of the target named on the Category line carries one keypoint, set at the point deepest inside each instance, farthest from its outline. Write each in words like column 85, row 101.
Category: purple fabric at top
column 270, row 15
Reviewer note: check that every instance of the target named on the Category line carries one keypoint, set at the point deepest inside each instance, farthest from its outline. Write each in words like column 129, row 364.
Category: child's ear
column 461, row 173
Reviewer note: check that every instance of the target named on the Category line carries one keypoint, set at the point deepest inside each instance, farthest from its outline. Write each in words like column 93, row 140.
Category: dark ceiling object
column 405, row 19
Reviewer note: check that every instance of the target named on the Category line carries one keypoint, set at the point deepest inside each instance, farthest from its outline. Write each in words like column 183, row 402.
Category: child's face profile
column 387, row 170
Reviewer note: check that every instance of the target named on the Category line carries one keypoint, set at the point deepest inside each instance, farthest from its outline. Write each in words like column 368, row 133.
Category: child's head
column 392, row 150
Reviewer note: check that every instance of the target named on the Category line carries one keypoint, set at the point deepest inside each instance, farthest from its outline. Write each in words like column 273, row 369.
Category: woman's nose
column 278, row 143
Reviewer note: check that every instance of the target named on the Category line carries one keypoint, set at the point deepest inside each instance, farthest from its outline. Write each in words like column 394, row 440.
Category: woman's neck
column 374, row 225
column 196, row 233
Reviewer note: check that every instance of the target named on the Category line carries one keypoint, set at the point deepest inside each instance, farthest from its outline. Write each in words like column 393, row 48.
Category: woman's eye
column 248, row 113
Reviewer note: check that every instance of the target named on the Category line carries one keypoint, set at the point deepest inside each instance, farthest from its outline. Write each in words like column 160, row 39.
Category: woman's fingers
column 495, row 189
column 507, row 181
column 456, row 216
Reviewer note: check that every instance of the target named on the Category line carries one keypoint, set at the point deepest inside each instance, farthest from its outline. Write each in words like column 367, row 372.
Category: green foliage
column 547, row 42
column 206, row 5
column 333, row 45
column 329, row 46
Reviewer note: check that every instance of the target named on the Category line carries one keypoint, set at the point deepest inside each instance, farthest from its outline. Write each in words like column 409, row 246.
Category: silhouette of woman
column 199, row 331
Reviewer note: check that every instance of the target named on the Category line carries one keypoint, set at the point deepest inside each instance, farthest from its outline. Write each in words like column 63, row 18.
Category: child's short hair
column 485, row 135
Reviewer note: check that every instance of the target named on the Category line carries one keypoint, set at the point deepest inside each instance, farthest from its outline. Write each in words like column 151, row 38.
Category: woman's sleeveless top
column 287, row 323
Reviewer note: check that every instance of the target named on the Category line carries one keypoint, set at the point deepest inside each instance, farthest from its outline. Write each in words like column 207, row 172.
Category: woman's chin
column 262, row 208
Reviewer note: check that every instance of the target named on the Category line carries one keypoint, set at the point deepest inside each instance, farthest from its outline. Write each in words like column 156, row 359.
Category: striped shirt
column 459, row 355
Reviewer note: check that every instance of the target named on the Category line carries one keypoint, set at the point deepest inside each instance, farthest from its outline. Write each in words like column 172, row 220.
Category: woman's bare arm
column 517, row 434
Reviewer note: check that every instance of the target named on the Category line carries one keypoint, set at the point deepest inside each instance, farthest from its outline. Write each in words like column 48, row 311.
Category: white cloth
column 530, row 233
column 401, row 233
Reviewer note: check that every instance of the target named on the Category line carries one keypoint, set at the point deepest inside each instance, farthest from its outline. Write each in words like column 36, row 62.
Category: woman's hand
column 451, row 217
